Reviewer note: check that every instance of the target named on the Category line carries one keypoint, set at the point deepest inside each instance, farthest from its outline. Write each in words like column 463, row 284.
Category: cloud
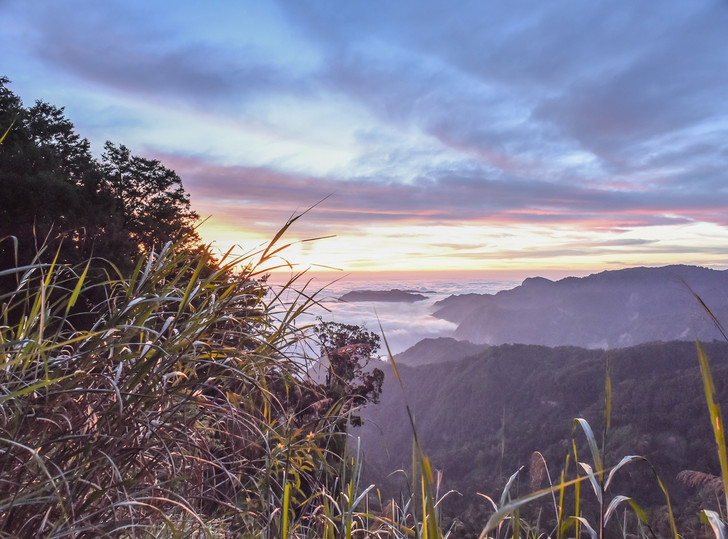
column 404, row 324
column 543, row 115
column 261, row 194
column 557, row 91
column 517, row 86
column 142, row 52
column 594, row 250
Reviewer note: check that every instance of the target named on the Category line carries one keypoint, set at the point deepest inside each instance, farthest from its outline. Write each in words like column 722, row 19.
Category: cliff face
column 610, row 309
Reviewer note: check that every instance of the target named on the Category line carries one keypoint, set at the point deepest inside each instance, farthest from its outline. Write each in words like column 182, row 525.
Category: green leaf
column 286, row 503
column 507, row 488
column 613, row 505
column 585, row 523
column 502, row 513
column 77, row 289
column 593, row 480
column 716, row 419
column 7, row 131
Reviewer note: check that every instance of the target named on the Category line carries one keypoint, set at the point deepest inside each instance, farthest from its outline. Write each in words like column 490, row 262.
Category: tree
column 349, row 383
column 349, row 349
column 149, row 196
column 53, row 192
column 48, row 187
column 59, row 146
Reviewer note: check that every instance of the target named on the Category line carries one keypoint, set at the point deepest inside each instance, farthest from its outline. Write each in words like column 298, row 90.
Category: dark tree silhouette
column 150, row 198
column 53, row 192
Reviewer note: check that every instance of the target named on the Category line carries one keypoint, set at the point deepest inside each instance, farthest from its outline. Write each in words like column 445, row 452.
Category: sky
column 525, row 137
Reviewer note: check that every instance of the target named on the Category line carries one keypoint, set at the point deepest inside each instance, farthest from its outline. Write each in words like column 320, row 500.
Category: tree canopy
column 349, row 349
column 54, row 192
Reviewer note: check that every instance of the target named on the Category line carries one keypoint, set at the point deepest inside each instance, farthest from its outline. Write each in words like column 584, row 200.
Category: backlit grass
column 175, row 401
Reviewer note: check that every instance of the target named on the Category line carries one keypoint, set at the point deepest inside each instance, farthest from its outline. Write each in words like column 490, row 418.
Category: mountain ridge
column 609, row 309
column 437, row 350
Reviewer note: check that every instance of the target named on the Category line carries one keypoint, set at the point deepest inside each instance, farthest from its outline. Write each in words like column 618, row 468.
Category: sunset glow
column 536, row 138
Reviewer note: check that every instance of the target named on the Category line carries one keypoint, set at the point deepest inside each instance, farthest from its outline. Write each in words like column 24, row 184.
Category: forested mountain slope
column 480, row 418
column 438, row 350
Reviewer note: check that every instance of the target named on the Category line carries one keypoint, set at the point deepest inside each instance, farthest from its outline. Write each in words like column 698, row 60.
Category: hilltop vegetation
column 55, row 193
column 157, row 391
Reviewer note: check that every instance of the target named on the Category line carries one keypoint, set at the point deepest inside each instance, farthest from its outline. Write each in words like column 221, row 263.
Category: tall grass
column 162, row 402
column 175, row 401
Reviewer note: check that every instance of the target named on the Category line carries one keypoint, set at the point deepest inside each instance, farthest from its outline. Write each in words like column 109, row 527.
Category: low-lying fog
column 404, row 323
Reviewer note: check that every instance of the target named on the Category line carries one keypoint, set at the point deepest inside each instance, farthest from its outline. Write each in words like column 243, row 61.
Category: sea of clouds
column 403, row 324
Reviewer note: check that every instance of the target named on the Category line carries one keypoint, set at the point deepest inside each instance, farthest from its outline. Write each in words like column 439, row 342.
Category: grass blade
column 508, row 509
column 713, row 519
column 7, row 131
column 77, row 289
column 593, row 480
column 584, row 522
column 596, row 455
column 284, row 516
column 716, row 419
column 625, row 460
column 507, row 489
column 613, row 505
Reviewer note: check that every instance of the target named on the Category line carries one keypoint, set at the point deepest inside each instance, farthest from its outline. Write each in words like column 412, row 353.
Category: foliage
column 55, row 193
column 348, row 349
column 150, row 198
column 168, row 413
column 157, row 392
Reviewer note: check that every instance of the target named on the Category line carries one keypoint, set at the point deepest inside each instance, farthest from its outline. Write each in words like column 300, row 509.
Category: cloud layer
column 482, row 133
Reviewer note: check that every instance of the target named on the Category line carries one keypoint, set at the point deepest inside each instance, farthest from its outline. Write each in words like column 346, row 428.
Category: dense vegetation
column 155, row 391
column 482, row 417
column 55, row 193
column 150, row 390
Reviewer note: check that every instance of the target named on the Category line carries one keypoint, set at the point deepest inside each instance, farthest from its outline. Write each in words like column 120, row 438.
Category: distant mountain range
column 611, row 309
column 524, row 362
column 438, row 350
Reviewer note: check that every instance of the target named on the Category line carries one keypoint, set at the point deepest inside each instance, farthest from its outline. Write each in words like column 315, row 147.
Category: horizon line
column 515, row 274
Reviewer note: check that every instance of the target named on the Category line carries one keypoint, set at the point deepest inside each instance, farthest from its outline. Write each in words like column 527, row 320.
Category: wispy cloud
column 444, row 196
column 561, row 117
column 142, row 51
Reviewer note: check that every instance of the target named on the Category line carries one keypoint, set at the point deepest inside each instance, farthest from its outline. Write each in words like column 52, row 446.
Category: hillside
column 480, row 418
column 611, row 309
column 437, row 351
